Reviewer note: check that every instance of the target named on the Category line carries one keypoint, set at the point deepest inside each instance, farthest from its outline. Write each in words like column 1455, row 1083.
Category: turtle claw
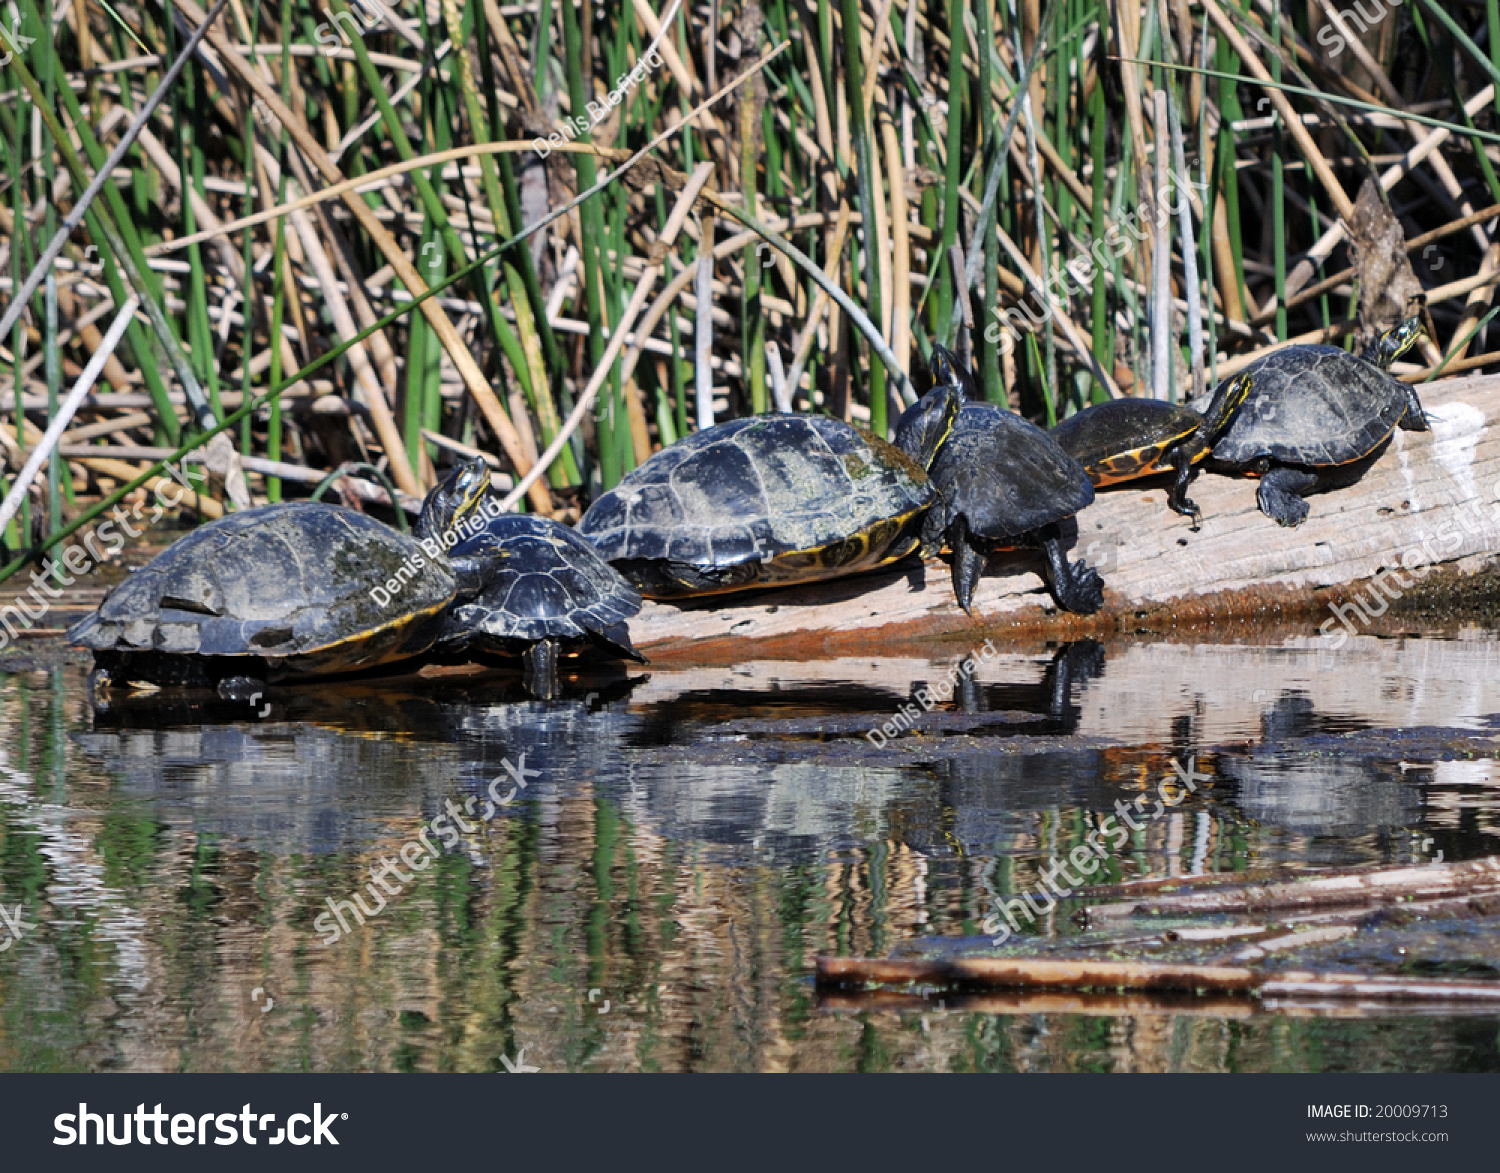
column 1083, row 592
column 1280, row 495
column 1076, row 586
column 1187, row 509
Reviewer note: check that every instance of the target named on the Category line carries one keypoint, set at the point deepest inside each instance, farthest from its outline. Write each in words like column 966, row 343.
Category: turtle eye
column 473, row 481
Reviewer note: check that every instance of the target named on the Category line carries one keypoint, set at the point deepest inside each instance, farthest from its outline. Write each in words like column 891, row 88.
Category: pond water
column 687, row 840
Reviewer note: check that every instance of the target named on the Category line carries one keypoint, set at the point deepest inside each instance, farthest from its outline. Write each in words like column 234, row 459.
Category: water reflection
column 688, row 841
column 1290, row 784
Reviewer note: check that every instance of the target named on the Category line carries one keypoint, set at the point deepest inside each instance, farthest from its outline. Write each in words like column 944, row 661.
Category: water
column 688, row 841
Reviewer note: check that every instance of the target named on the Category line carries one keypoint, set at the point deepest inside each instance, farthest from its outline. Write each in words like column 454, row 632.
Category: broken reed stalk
column 64, row 413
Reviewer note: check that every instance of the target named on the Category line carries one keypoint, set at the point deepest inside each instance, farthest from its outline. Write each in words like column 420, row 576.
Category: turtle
column 1314, row 413
column 546, row 591
column 769, row 500
column 1005, row 484
column 290, row 589
column 1124, row 439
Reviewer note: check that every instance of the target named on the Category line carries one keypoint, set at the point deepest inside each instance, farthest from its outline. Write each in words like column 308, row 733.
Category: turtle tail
column 616, row 638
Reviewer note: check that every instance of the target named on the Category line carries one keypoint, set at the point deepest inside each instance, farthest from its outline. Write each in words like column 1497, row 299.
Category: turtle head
column 457, row 496
column 1227, row 400
column 948, row 371
column 925, row 426
column 1395, row 342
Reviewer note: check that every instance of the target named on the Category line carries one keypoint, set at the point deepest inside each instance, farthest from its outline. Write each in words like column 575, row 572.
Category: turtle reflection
column 1290, row 780
column 330, row 768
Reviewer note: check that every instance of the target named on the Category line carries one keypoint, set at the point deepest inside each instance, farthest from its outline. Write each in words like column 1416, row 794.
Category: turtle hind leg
column 1177, row 499
column 1281, row 494
column 1076, row 586
column 1074, row 663
column 540, row 662
column 968, row 563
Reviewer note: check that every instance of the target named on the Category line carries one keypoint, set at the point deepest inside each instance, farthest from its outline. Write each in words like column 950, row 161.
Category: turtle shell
column 308, row 587
column 544, row 582
column 1006, row 476
column 759, row 501
column 1314, row 405
column 1125, row 438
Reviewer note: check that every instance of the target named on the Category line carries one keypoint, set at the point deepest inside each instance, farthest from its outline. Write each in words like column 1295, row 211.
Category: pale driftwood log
column 1423, row 485
column 1366, row 890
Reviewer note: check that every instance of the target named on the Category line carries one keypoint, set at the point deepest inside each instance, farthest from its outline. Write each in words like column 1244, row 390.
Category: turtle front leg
column 1281, row 494
column 1076, row 586
column 1177, row 500
column 540, row 661
column 968, row 562
column 933, row 534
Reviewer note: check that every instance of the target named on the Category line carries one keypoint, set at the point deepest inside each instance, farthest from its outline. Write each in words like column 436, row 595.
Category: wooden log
column 848, row 973
column 1368, row 889
column 1438, row 486
column 1000, row 972
column 1394, row 989
column 1028, row 1002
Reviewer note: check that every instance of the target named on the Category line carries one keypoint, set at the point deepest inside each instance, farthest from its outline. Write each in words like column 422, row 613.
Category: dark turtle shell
column 1005, row 476
column 759, row 501
column 308, row 588
column 1316, row 406
column 544, row 582
column 1125, row 438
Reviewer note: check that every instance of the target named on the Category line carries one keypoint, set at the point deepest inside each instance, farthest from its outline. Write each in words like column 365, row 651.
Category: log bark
column 1438, row 486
